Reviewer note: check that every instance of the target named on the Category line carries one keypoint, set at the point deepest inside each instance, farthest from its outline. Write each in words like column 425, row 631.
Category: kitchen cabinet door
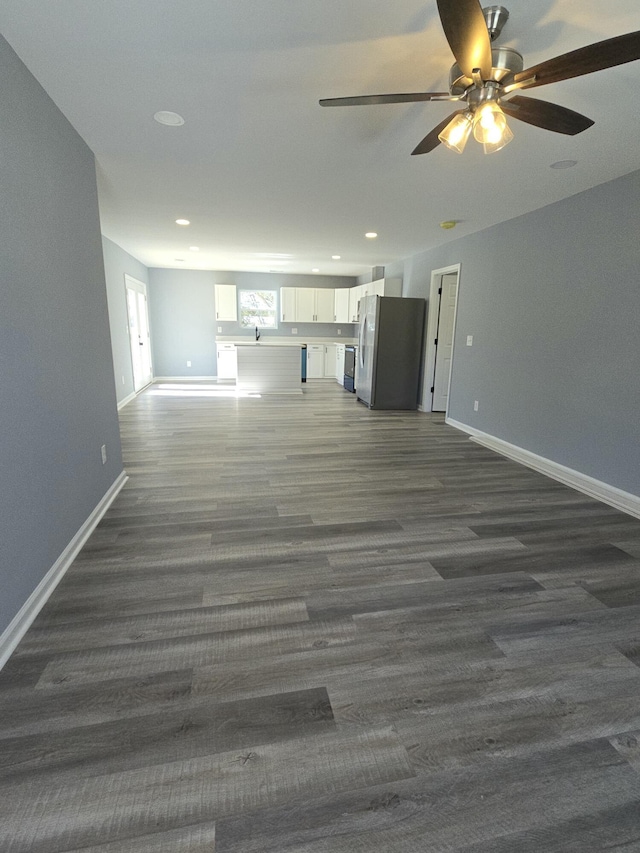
column 315, row 361
column 305, row 304
column 339, row 366
column 288, row 304
column 227, row 361
column 226, row 302
column 354, row 297
column 341, row 305
column 329, row 360
column 325, row 305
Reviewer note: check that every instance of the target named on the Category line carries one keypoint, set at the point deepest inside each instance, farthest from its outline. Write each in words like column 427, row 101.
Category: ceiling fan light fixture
column 490, row 127
column 456, row 134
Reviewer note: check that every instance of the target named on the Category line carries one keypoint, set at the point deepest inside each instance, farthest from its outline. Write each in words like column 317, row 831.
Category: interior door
column 444, row 336
column 139, row 337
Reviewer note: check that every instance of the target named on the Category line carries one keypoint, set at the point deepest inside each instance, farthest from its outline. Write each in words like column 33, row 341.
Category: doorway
column 139, row 338
column 443, row 302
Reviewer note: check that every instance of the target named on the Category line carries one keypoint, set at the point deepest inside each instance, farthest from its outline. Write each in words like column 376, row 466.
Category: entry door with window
column 139, row 332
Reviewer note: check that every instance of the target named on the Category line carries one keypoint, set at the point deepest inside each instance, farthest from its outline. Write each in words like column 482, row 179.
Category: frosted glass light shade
column 457, row 132
column 490, row 127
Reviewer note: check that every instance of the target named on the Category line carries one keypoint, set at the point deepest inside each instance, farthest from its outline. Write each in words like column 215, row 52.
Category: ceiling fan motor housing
column 504, row 60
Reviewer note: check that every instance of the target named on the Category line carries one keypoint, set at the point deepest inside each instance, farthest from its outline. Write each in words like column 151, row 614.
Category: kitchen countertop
column 273, row 341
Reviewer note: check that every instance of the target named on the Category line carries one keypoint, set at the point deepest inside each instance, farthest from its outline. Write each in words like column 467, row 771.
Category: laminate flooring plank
column 27, row 712
column 141, row 658
column 451, row 597
column 204, row 728
column 200, row 838
column 122, row 630
column 548, row 559
column 448, row 810
column 167, row 796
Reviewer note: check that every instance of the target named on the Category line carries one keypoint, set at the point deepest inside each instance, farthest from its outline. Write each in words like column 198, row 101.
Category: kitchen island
column 268, row 369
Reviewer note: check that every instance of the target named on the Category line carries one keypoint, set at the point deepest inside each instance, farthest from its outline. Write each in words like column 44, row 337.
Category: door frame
column 432, row 327
column 131, row 283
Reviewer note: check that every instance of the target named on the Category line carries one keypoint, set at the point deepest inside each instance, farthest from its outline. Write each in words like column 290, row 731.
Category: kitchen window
column 259, row 308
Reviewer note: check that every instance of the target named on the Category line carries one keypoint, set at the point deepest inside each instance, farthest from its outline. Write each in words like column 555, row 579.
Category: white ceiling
column 260, row 168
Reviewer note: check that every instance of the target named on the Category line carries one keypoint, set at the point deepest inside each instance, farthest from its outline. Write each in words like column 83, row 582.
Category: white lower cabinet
column 227, row 361
column 329, row 360
column 315, row 361
column 339, row 365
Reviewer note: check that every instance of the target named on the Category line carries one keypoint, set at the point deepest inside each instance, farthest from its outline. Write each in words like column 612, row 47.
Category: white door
column 444, row 337
column 139, row 337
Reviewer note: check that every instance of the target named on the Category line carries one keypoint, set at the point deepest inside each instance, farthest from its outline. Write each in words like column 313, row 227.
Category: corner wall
column 552, row 301
column 57, row 399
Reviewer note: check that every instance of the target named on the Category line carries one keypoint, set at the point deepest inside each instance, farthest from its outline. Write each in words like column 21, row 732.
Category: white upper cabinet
column 226, row 302
column 325, row 305
column 306, row 305
column 288, row 304
column 341, row 305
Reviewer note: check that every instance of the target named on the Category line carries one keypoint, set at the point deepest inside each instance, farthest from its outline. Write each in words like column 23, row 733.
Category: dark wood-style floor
column 305, row 627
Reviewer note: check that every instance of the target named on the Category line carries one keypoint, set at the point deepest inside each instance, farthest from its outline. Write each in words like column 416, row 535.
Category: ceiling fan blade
column 546, row 115
column 465, row 27
column 585, row 60
column 431, row 140
column 365, row 100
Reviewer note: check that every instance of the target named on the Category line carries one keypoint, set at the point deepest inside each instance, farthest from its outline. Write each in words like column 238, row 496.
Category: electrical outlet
column 475, row 405
column 188, row 364
column 103, row 454
column 123, row 380
column 339, row 331
column 469, row 340
column 219, row 329
column 294, row 331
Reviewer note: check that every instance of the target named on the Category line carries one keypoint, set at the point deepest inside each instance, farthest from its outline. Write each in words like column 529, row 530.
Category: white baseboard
column 624, row 501
column 20, row 624
column 184, row 378
column 126, row 400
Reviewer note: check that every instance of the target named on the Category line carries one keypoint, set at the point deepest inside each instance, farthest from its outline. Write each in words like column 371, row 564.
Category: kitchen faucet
column 257, row 334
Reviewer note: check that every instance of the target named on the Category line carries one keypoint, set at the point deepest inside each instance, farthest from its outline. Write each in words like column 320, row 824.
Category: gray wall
column 553, row 301
column 183, row 316
column 117, row 263
column 57, row 399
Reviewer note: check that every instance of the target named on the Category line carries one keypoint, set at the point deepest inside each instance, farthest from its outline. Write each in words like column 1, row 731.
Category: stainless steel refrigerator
column 390, row 341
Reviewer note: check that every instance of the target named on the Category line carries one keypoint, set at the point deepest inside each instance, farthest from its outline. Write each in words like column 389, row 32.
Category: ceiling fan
column 483, row 76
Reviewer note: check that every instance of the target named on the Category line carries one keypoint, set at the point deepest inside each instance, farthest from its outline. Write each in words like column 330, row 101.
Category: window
column 259, row 308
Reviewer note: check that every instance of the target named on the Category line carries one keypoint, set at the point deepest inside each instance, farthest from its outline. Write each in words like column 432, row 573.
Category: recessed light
column 564, row 164
column 179, row 260
column 335, row 257
column 168, row 118
column 182, row 222
column 194, row 248
column 315, row 269
column 371, row 235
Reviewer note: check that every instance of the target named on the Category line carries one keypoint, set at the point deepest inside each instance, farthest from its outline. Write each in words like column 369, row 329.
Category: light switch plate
column 294, row 331
column 469, row 340
column 219, row 328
